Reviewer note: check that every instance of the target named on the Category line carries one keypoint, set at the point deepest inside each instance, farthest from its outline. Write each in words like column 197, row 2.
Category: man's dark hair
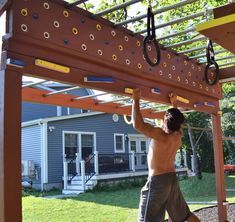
column 174, row 119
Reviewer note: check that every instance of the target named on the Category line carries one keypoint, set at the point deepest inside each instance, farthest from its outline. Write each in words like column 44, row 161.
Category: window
column 87, row 141
column 71, row 144
column 143, row 146
column 119, row 146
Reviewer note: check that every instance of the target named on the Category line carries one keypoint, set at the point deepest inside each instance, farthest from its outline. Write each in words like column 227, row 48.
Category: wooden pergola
column 52, row 40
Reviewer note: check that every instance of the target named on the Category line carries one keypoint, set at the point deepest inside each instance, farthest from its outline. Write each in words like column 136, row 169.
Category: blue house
column 73, row 149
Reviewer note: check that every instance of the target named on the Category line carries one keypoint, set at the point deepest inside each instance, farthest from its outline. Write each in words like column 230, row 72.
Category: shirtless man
column 162, row 192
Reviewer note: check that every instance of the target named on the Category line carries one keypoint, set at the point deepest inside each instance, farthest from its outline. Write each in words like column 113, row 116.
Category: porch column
column 133, row 161
column 96, row 162
column 83, row 174
column 219, row 167
column 77, row 164
column 65, row 173
column 10, row 146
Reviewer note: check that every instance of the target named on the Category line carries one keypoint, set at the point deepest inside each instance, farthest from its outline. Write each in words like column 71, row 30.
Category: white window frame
column 123, row 143
column 79, row 133
column 80, row 141
column 63, row 138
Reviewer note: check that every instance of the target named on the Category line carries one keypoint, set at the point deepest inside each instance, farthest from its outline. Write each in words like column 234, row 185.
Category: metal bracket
column 3, row 5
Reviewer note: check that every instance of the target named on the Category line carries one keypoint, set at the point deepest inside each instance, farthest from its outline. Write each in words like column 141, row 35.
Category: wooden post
column 10, row 146
column 219, row 167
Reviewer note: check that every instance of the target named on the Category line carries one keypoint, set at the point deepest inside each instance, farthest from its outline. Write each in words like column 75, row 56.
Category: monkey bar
column 55, row 41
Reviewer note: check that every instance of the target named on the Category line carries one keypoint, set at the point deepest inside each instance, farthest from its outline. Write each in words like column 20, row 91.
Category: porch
column 81, row 175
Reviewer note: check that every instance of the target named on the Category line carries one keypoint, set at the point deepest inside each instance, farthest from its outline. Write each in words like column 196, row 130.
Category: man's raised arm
column 137, row 118
column 138, row 122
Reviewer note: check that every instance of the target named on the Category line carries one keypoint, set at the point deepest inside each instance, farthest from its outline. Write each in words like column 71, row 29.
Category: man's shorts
column 160, row 193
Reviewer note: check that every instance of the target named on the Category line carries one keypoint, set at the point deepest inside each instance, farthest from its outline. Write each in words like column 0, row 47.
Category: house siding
column 31, row 111
column 31, row 147
column 101, row 124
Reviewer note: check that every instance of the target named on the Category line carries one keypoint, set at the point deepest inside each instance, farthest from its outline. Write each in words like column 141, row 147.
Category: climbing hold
column 52, row 66
column 181, row 99
column 24, row 11
column 15, row 62
column 129, row 90
column 211, row 104
column 156, row 90
column 99, row 79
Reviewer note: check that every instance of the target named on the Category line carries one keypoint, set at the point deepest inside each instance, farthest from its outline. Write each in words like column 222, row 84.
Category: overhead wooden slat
column 66, row 100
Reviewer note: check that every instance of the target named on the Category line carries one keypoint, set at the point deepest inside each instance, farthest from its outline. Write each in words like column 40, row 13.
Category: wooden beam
column 66, row 100
column 10, row 146
column 227, row 74
column 93, row 46
column 224, row 10
column 219, row 167
column 76, row 76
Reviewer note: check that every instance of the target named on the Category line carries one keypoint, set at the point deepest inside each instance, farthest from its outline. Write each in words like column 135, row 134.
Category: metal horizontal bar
column 176, row 34
column 77, row 2
column 186, row 42
column 89, row 96
column 130, row 104
column 158, row 11
column 178, row 20
column 112, row 101
column 192, row 50
column 204, row 54
column 219, row 59
column 34, row 84
column 117, row 7
column 61, row 91
column 195, row 49
column 226, row 64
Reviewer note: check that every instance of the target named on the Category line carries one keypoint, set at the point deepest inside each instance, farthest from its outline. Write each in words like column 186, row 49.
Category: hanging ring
column 147, row 40
column 215, row 78
column 129, row 122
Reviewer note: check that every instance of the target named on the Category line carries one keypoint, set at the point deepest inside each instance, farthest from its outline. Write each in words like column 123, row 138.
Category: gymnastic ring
column 216, row 78
column 148, row 39
column 129, row 122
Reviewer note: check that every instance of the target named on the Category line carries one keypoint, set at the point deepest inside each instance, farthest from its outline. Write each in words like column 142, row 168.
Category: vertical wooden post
column 10, row 146
column 219, row 166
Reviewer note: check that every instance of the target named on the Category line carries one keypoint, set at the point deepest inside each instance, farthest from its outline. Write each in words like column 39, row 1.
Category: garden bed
column 211, row 213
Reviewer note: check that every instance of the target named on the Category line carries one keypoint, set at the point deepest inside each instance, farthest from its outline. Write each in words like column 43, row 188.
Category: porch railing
column 111, row 163
column 102, row 164
column 90, row 168
column 72, row 168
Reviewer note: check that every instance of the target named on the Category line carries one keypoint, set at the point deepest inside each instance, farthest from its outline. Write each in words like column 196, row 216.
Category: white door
column 139, row 145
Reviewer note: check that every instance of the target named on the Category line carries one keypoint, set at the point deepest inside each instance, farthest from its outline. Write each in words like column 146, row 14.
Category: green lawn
column 112, row 206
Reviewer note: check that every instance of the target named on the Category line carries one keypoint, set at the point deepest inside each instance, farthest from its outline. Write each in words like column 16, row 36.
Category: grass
column 112, row 206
